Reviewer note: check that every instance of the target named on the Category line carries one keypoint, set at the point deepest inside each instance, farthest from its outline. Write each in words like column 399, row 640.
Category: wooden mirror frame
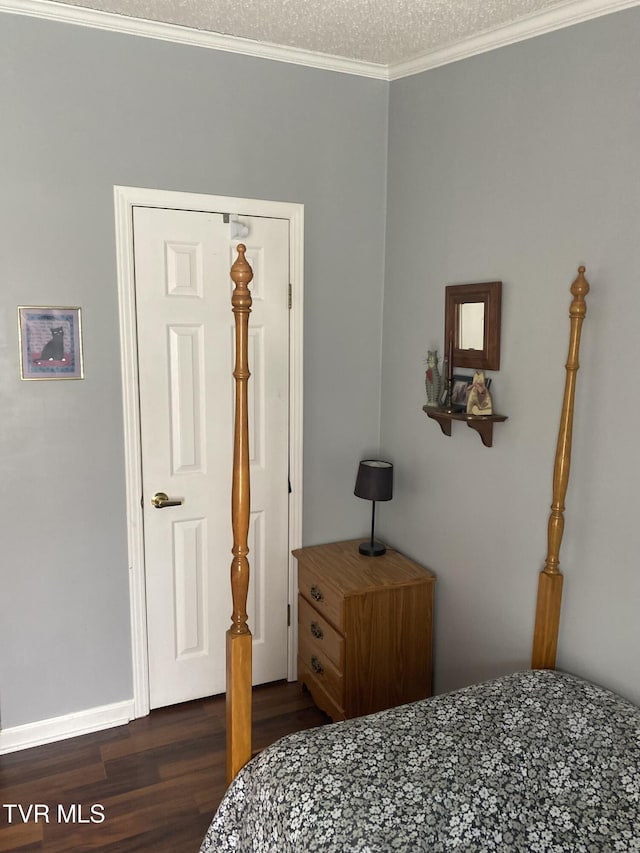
column 490, row 293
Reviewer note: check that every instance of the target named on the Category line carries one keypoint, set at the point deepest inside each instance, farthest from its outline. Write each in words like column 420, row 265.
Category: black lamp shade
column 374, row 483
column 375, row 480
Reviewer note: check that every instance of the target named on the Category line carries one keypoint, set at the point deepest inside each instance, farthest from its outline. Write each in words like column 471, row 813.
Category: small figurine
column 479, row 398
column 432, row 379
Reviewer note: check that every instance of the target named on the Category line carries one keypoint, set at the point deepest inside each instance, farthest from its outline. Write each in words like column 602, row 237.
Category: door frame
column 125, row 199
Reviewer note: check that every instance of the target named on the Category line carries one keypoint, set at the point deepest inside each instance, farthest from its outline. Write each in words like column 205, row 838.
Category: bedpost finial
column 580, row 286
column 241, row 275
column 579, row 290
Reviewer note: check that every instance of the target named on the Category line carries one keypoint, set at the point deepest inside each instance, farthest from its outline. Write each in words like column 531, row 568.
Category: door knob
column 160, row 500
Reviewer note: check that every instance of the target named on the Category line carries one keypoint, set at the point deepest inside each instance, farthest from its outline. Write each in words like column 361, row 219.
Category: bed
column 534, row 761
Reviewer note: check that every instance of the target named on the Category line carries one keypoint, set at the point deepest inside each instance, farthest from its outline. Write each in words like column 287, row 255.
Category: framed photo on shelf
column 460, row 387
column 50, row 343
column 459, row 391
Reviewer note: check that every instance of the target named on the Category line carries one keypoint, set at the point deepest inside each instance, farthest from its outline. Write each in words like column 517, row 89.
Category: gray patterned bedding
column 536, row 761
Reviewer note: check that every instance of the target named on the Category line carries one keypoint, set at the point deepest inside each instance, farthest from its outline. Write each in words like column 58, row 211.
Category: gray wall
column 83, row 110
column 519, row 165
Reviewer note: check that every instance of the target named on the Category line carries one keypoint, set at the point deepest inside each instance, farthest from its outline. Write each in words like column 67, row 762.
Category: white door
column 186, row 359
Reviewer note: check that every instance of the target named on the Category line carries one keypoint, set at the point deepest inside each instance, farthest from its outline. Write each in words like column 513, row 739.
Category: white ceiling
column 382, row 34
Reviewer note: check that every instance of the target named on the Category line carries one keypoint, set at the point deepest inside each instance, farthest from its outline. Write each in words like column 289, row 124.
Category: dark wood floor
column 157, row 781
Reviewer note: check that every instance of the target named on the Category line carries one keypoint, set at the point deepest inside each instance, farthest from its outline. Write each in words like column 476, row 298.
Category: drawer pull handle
column 317, row 631
column 316, row 666
column 316, row 594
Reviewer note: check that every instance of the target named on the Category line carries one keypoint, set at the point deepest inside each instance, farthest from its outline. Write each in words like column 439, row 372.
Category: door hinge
column 288, row 615
column 290, row 295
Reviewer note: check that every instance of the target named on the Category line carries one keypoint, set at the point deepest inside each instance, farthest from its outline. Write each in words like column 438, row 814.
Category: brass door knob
column 160, row 500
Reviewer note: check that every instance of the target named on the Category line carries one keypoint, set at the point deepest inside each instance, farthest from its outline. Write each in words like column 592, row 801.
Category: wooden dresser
column 364, row 623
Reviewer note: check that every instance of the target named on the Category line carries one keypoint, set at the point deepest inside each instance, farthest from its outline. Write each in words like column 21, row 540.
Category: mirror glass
column 472, row 324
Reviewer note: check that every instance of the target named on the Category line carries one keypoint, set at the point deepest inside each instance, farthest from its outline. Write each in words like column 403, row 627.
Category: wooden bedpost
column 545, row 637
column 239, row 638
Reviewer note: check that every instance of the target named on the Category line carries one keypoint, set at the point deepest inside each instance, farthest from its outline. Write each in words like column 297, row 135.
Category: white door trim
column 125, row 199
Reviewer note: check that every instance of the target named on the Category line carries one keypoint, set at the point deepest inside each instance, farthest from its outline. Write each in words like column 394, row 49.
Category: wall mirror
column 472, row 324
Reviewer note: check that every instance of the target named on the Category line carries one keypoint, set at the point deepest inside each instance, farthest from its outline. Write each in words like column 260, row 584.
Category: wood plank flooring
column 153, row 784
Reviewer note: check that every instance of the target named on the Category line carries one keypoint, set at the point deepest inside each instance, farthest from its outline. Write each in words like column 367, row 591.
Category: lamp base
column 372, row 549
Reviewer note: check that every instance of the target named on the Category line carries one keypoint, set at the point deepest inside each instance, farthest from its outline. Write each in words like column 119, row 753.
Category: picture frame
column 460, row 385
column 50, row 342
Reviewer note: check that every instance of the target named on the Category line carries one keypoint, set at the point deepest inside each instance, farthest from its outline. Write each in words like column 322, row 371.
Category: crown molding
column 566, row 15
column 573, row 12
column 111, row 22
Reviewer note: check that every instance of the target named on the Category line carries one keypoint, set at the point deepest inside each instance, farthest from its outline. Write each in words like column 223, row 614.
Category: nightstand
column 364, row 628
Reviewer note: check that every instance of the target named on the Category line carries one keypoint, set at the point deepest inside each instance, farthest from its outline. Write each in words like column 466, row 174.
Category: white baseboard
column 69, row 725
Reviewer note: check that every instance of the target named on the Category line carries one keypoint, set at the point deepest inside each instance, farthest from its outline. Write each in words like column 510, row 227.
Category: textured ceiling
column 376, row 31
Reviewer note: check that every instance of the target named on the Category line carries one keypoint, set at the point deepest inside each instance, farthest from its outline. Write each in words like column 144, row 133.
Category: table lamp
column 374, row 483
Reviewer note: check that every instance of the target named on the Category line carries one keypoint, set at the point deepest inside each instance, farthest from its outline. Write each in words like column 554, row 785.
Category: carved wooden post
column 545, row 637
column 239, row 640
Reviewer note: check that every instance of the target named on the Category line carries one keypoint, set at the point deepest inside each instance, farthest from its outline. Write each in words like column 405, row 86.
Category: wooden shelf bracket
column 482, row 424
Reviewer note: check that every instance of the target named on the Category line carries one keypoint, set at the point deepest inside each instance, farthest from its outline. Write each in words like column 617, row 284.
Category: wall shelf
column 483, row 424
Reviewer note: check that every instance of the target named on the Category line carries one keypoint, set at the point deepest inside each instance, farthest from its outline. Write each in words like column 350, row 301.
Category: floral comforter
column 536, row 761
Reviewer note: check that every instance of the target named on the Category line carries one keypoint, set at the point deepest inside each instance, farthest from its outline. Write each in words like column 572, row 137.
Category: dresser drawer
column 323, row 597
column 322, row 636
column 320, row 696
column 322, row 671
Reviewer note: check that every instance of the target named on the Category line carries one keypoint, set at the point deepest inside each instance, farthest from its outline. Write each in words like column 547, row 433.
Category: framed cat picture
column 50, row 341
